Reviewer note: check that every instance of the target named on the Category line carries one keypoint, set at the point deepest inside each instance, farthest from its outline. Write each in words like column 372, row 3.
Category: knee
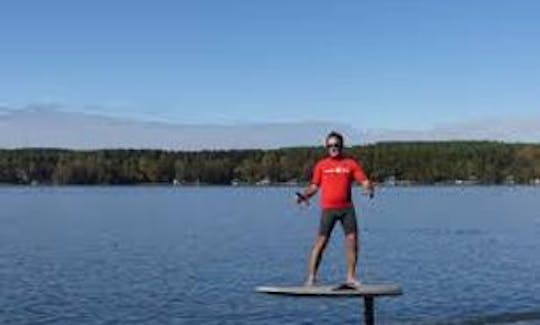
column 321, row 242
column 351, row 239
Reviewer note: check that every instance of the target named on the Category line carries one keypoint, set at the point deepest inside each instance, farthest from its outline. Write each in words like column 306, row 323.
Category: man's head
column 334, row 144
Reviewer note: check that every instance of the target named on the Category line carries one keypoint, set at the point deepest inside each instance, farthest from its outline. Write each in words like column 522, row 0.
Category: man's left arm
column 361, row 178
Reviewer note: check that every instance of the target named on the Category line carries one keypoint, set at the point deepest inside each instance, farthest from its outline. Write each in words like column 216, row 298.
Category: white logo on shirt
column 337, row 170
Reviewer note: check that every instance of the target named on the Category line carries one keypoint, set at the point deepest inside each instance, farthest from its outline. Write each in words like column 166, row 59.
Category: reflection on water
column 193, row 255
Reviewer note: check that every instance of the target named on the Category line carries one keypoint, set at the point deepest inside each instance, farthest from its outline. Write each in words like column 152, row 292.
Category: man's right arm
column 308, row 193
column 313, row 186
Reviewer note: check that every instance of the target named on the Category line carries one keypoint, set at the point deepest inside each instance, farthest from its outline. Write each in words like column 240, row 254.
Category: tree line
column 416, row 162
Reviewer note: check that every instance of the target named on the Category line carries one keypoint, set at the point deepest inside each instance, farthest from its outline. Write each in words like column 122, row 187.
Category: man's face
column 334, row 146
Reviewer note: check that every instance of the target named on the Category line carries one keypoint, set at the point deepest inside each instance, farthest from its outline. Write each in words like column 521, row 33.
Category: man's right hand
column 308, row 193
column 371, row 189
column 301, row 198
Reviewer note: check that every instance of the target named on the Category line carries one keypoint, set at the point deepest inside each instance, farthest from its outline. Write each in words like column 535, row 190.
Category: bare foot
column 354, row 282
column 310, row 281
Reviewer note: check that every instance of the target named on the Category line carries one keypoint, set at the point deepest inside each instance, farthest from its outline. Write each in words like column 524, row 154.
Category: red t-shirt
column 335, row 176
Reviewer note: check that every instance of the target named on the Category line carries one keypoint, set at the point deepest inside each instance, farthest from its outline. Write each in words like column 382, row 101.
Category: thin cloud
column 49, row 126
column 55, row 128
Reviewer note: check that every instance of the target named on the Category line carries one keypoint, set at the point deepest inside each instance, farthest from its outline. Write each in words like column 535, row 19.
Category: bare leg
column 315, row 259
column 351, row 244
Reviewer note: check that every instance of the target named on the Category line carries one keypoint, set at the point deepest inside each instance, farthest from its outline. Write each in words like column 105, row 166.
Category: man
column 335, row 175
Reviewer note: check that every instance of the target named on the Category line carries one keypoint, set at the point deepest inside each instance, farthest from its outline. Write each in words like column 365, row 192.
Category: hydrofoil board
column 334, row 290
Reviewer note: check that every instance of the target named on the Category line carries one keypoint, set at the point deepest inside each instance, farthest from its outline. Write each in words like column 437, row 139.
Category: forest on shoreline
column 446, row 162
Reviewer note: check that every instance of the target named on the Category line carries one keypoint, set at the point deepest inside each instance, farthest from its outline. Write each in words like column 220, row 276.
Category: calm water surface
column 161, row 255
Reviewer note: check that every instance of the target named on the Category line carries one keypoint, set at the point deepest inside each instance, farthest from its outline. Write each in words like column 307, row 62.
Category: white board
column 334, row 290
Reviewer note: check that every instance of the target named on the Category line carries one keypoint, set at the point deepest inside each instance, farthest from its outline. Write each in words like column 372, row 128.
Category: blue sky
column 369, row 64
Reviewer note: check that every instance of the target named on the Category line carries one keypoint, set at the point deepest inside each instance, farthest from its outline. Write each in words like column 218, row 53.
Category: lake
column 173, row 255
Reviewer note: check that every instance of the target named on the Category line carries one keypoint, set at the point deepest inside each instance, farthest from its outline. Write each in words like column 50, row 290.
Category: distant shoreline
column 459, row 163
column 168, row 185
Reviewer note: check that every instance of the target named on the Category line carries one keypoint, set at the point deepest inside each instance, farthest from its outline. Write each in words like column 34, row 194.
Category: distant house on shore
column 264, row 182
column 237, row 182
column 509, row 180
column 405, row 182
column 291, row 182
column 393, row 181
column 472, row 180
column 390, row 181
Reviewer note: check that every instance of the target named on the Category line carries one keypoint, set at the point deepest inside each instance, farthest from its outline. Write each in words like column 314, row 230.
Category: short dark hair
column 335, row 134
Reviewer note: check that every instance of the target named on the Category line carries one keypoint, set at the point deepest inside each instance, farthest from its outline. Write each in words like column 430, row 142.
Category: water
column 162, row 255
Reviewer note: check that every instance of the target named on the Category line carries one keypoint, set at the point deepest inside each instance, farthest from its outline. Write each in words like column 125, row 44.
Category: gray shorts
column 346, row 216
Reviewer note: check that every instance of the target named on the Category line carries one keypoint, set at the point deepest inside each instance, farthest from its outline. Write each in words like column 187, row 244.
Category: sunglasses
column 334, row 145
